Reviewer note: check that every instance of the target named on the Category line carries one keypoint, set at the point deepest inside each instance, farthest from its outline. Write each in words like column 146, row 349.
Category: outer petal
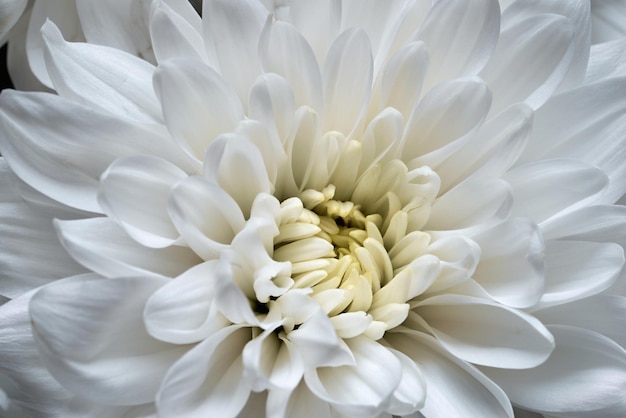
column 22, row 372
column 100, row 77
column 103, row 247
column 208, row 380
column 586, row 372
column 65, row 160
column 483, row 332
column 91, row 336
column 145, row 219
column 511, row 267
column 10, row 12
column 607, row 20
column 455, row 388
column 299, row 402
column 30, row 254
column 198, row 104
column 606, row 60
column 460, row 37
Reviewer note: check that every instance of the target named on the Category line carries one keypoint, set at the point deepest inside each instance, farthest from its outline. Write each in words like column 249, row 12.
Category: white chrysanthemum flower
column 320, row 208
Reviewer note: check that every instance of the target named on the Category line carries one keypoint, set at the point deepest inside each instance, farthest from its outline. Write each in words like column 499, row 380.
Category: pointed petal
column 511, row 267
column 198, row 104
column 455, row 388
column 585, row 372
column 91, row 336
column 208, row 380
column 484, row 332
column 103, row 247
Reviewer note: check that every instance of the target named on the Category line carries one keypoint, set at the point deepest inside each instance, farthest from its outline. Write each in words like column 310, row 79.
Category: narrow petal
column 91, row 336
column 272, row 102
column 577, row 269
column 605, row 314
column 607, row 20
column 299, row 402
column 182, row 311
column 585, row 372
column 198, row 104
column 284, row 51
column 606, row 60
column 208, row 380
column 545, row 188
column 511, row 267
column 410, row 394
column 231, row 33
column 531, row 60
column 176, row 33
column 36, row 391
column 30, row 254
column 206, row 217
column 102, row 246
column 460, row 38
column 483, row 332
column 122, row 25
column 65, row 160
column 372, row 380
column 455, row 388
column 346, row 92
column 10, row 12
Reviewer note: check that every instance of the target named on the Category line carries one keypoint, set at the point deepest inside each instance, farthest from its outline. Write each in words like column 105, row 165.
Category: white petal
column 272, row 103
column 182, row 311
column 208, row 380
column 30, row 254
column 448, row 112
column 483, row 332
column 284, row 51
column 411, row 392
column 103, row 247
column 455, row 388
column 237, row 166
column 585, row 124
column 492, row 149
column 607, row 20
column 511, row 267
column 576, row 269
column 578, row 14
column 145, row 219
column 101, row 77
column 10, row 12
column 472, row 202
column 122, row 25
column 65, row 160
column 64, row 15
column 198, row 104
column 346, row 91
column 300, row 402
column 460, row 37
column 545, row 188
column 206, row 217
column 458, row 257
column 606, row 60
column 20, row 363
column 585, row 372
column 531, row 60
column 605, row 314
column 175, row 33
column 91, row 336
column 231, row 32
column 372, row 380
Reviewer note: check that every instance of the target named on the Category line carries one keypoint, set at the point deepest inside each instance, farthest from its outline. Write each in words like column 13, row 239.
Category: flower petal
column 65, row 160
column 544, row 188
column 300, row 402
column 511, row 267
column 176, row 32
column 455, row 388
column 30, row 254
column 346, row 92
column 91, row 336
column 460, row 38
column 103, row 247
column 208, row 380
column 10, row 12
column 607, row 20
column 182, row 311
column 206, row 217
column 483, row 332
column 577, row 269
column 585, row 372
column 607, row 60
column 198, row 104
column 372, row 380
